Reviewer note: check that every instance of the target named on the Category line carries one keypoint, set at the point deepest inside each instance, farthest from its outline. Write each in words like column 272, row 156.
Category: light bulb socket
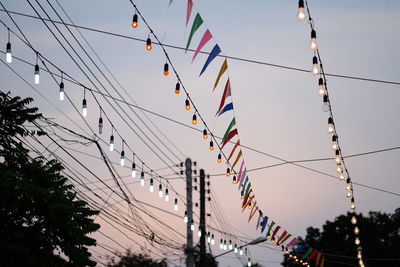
column 36, row 69
column 166, row 67
column 160, row 187
column 133, row 166
column 84, row 103
column 320, row 82
column 8, row 47
column 352, row 200
column 187, row 103
column 337, row 152
column 62, row 86
column 166, row 191
column 122, row 154
column 330, row 120
column 135, row 19
column 142, row 175
column 148, row 44
column 325, row 99
column 313, row 34
column 301, row 3
column 151, row 181
column 101, row 121
column 112, row 139
column 334, row 138
column 314, row 60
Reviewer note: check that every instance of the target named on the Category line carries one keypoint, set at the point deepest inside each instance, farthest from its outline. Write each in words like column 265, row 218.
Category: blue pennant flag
column 264, row 224
column 225, row 109
column 214, row 53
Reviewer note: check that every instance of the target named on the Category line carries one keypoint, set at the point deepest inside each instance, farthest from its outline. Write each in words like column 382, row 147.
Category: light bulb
column 357, row 241
column 219, row 159
column 241, row 252
column 177, row 88
column 142, row 178
column 199, row 232
column 348, row 184
column 100, row 125
column 339, row 169
column 84, row 108
column 176, row 204
column 134, row 21
column 331, row 127
column 151, row 185
column 166, row 67
column 315, row 68
column 133, row 170
column 212, row 239
column 313, row 42
column 353, row 205
column 205, row 135
column 325, row 105
column 230, row 245
column 185, row 218
column 248, row 262
column 348, row 193
column 160, row 191
column 166, row 195
column 341, row 177
column 111, row 142
column 62, row 93
column 8, row 53
column 301, row 15
column 338, row 157
column 221, row 245
column 321, row 88
column 208, row 238
column 334, row 142
column 235, row 250
column 353, row 220
column 122, row 158
column 225, row 246
column 359, row 255
column 192, row 226
column 234, row 179
column 36, row 74
column 148, row 44
column 228, row 172
column 187, row 104
column 211, row 145
column 356, row 230
column 194, row 119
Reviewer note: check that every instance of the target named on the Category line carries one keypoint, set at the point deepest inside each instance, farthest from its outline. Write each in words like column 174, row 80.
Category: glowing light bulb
column 248, row 262
column 313, row 42
column 341, row 177
column 62, row 93
column 122, row 158
column 134, row 21
column 211, row 145
column 348, row 193
column 331, row 127
column 100, row 125
column 142, row 178
column 356, row 230
column 187, row 104
column 199, row 232
column 151, row 185
column 339, row 169
column 133, row 170
column 219, row 159
column 325, row 105
column 177, row 88
column 228, row 172
column 334, row 142
column 321, row 87
column 221, row 245
column 234, row 180
column 148, row 44
column 37, row 77
column 84, row 108
column 166, row 67
column 208, row 238
column 185, row 218
column 111, row 142
column 353, row 220
column 8, row 53
column 357, row 241
column 205, row 135
column 192, row 226
column 353, row 205
column 241, row 252
column 338, row 158
column 176, row 204
column 212, row 239
column 301, row 15
column 160, row 191
column 225, row 246
column 235, row 250
column 315, row 68
column 230, row 245
column 194, row 119
column 359, row 255
column 166, row 195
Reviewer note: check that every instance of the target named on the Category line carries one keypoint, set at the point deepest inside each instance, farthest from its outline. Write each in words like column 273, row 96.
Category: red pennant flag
column 229, row 137
column 281, row 237
column 227, row 92
column 189, row 10
column 275, row 231
column 318, row 259
column 233, row 150
column 312, row 255
column 253, row 211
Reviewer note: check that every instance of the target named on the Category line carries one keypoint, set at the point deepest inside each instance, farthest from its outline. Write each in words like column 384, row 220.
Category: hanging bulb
column 8, row 53
column 301, row 15
column 339, row 169
column 313, row 42
column 84, row 108
column 219, row 159
column 234, row 179
column 135, row 21
column 142, row 178
column 166, row 195
column 187, row 104
column 225, row 246
column 228, row 172
column 36, row 74
column 122, row 158
column 331, row 127
column 185, row 218
column 111, row 142
column 241, row 252
column 315, row 68
column 177, row 88
column 334, row 142
column 62, row 93
column 208, row 238
column 230, row 245
column 353, row 205
column 356, row 230
column 321, row 88
column 248, row 262
column 151, row 185
column 357, row 241
column 148, row 44
column 325, row 105
column 212, row 239
column 353, row 220
column 221, row 245
column 160, row 191
column 100, row 125
column 250, row 206
column 211, row 145
column 235, row 250
column 348, row 193
column 338, row 158
column 192, row 226
column 133, row 170
column 166, row 67
column 205, row 135
column 348, row 185
column 199, row 232
column 194, row 119
column 341, row 176
column 242, row 194
column 176, row 204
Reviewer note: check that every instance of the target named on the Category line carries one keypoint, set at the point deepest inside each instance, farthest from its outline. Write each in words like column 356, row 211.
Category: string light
column 199, row 232
column 176, row 204
column 301, row 15
column 339, row 169
column 356, row 230
column 334, row 142
column 248, row 262
column 135, row 21
column 112, row 140
column 133, row 166
column 192, row 225
column 151, row 183
column 37, row 77
column 212, row 239
column 160, row 191
column 148, row 44
column 61, row 91
column 325, row 105
column 348, row 193
column 187, row 104
column 219, row 159
column 241, row 251
column 211, row 145
column 205, row 134
column 166, row 195
column 313, row 42
column 194, row 119
column 341, row 177
column 357, row 241
column 166, row 67
column 353, row 205
column 321, row 88
column 208, row 238
column 84, row 104
column 234, row 180
column 122, row 154
column 228, row 172
column 354, row 220
column 221, row 244
column 338, row 157
column 100, row 124
column 230, row 245
column 331, row 128
column 235, row 250
column 315, row 68
column 225, row 246
column 8, row 48
column 177, row 88
column 142, row 177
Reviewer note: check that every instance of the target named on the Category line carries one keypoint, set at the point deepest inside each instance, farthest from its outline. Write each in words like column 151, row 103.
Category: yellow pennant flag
column 237, row 159
column 224, row 67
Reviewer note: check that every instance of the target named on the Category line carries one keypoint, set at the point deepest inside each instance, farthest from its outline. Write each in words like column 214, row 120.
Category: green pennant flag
column 269, row 229
column 196, row 24
column 307, row 253
column 233, row 122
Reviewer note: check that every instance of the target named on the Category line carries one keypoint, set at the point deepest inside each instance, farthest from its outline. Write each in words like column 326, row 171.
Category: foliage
column 130, row 259
column 41, row 221
column 379, row 235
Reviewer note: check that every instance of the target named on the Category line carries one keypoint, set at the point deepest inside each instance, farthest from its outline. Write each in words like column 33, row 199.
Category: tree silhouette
column 130, row 259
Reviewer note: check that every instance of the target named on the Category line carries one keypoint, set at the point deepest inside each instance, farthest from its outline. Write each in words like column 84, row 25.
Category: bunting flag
column 264, row 224
column 303, row 247
column 189, row 10
column 259, row 219
column 243, row 175
column 206, row 37
column 224, row 67
column 281, row 237
column 231, row 134
column 227, row 92
column 233, row 122
column 269, row 229
column 250, row 199
column 275, row 231
column 213, row 54
column 318, row 259
column 243, row 193
column 233, row 151
column 244, row 182
column 253, row 211
column 286, row 238
column 308, row 253
column 240, row 172
column 237, row 159
column 291, row 243
column 226, row 108
column 196, row 24
column 322, row 261
column 313, row 254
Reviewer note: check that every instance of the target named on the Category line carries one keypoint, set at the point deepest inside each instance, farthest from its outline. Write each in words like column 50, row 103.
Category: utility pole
column 189, row 210
column 202, row 218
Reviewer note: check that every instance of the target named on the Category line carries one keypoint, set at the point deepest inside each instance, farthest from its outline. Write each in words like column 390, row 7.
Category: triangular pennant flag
column 196, row 24
column 244, row 183
column 206, row 37
column 233, row 122
column 250, row 199
column 237, row 159
column 323, row 261
column 303, row 247
column 242, row 176
column 227, row 92
column 291, row 243
column 189, row 10
column 259, row 219
column 264, row 223
column 318, row 259
column 281, row 237
column 224, row 67
column 213, row 54
column 226, row 108
column 253, row 211
column 307, row 253
column 240, row 172
column 275, row 231
column 233, row 150
column 313, row 254
column 269, row 229
column 286, row 238
column 229, row 137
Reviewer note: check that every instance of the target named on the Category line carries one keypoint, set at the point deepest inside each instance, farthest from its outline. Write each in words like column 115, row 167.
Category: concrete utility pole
column 189, row 209
column 202, row 218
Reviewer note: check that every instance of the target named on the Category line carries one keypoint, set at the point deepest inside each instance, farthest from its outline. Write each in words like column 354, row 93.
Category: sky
column 278, row 111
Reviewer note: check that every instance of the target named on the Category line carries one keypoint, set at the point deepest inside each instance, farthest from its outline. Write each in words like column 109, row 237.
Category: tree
column 41, row 221
column 379, row 235
column 130, row 259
